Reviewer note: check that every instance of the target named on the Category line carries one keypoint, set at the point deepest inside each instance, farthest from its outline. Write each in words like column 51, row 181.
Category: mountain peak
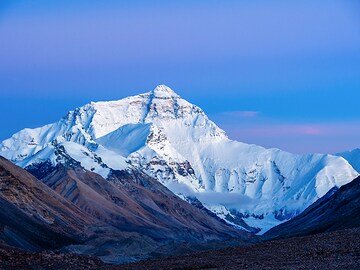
column 169, row 138
column 163, row 91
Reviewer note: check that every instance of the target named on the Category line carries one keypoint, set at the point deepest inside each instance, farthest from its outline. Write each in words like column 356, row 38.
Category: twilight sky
column 282, row 74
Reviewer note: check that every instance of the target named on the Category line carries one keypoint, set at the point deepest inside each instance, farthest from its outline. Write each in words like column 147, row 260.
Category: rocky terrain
column 33, row 216
column 127, row 217
column 327, row 236
column 334, row 250
column 19, row 259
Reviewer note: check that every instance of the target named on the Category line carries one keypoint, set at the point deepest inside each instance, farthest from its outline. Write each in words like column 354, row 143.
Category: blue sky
column 280, row 74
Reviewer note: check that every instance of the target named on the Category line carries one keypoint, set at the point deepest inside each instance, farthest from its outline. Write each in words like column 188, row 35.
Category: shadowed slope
column 340, row 210
column 138, row 214
column 133, row 201
column 127, row 217
column 33, row 216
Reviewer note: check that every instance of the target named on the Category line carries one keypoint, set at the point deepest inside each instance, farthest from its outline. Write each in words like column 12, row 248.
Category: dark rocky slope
column 336, row 210
column 126, row 217
column 143, row 214
column 33, row 216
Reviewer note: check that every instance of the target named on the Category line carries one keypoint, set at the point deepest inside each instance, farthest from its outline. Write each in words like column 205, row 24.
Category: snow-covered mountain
column 174, row 141
column 353, row 157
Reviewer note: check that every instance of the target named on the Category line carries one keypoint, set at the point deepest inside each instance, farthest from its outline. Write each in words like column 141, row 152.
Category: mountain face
column 337, row 210
column 125, row 217
column 164, row 136
column 353, row 157
column 34, row 217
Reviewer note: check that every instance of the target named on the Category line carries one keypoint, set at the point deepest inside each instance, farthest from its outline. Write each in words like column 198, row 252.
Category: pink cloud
column 288, row 129
column 299, row 138
column 242, row 114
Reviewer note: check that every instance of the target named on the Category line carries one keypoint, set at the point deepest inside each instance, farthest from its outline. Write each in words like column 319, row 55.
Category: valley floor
column 334, row 250
column 18, row 259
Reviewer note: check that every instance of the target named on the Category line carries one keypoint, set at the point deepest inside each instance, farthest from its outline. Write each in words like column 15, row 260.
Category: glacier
column 172, row 140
